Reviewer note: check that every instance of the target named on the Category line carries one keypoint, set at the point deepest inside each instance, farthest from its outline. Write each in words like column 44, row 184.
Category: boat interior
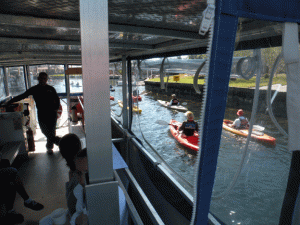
column 83, row 45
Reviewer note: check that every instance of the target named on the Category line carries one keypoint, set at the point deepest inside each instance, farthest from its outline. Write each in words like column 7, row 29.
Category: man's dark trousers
column 47, row 122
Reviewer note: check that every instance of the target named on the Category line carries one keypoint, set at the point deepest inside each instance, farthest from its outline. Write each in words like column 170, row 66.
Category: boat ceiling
column 48, row 31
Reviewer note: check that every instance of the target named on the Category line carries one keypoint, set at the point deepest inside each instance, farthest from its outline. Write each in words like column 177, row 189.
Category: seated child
column 76, row 158
column 70, row 149
column 190, row 126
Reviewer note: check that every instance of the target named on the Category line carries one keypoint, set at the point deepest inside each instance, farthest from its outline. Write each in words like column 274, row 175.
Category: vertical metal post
column 102, row 193
column 25, row 77
column 124, row 92
column 67, row 81
column 28, row 76
column 5, row 81
column 129, row 77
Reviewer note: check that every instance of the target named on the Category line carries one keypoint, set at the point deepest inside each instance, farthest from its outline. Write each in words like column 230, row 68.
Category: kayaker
column 241, row 122
column 174, row 101
column 190, row 126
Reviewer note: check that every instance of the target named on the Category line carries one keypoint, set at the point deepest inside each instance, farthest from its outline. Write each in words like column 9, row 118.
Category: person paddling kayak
column 174, row 101
column 241, row 122
column 190, row 126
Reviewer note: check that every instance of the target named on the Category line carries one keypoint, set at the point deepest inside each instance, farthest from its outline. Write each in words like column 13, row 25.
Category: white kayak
column 177, row 107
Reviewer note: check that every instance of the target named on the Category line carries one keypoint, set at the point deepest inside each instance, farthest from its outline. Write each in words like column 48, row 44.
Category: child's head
column 173, row 95
column 69, row 146
column 189, row 115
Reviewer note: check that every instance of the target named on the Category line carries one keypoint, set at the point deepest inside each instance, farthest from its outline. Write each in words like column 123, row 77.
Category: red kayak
column 135, row 98
column 191, row 142
column 111, row 98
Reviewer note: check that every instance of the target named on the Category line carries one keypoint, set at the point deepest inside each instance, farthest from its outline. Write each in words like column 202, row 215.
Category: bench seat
column 10, row 150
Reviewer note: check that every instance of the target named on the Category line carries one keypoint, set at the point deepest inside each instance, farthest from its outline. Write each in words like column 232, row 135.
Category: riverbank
column 237, row 97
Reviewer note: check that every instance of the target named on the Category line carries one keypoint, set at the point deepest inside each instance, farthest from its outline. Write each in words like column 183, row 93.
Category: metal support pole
column 124, row 92
column 102, row 192
column 129, row 93
column 28, row 76
column 67, row 81
column 161, row 74
column 5, row 81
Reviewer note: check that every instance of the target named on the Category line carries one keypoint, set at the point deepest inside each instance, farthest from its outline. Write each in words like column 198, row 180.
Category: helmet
column 240, row 112
column 189, row 115
column 173, row 95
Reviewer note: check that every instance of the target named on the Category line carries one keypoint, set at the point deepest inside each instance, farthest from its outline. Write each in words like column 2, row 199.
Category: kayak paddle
column 162, row 122
column 114, row 104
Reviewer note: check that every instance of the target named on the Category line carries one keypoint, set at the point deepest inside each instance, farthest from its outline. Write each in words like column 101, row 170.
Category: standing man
column 47, row 103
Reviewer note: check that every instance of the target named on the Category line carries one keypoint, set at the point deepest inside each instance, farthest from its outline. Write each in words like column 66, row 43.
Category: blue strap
column 219, row 74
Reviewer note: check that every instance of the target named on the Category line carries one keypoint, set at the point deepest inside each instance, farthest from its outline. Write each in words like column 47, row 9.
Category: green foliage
column 183, row 80
column 244, row 53
column 202, row 56
column 241, row 83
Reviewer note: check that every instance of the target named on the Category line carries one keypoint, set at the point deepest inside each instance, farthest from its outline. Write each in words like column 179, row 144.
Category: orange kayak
column 190, row 142
column 258, row 136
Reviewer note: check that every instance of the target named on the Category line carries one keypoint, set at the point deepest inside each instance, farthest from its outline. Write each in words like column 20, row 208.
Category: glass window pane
column 116, row 89
column 56, row 76
column 16, row 81
column 255, row 194
column 75, row 81
column 2, row 88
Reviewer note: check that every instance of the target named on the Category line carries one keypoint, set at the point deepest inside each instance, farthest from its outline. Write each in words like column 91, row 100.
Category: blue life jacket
column 244, row 122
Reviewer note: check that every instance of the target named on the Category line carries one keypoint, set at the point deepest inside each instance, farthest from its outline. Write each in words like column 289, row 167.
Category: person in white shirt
column 241, row 122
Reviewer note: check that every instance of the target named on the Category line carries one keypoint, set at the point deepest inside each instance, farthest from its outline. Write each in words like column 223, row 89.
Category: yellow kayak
column 134, row 108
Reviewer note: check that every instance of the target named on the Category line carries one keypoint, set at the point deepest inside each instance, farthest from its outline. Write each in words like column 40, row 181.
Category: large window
column 16, row 81
column 56, row 76
column 75, row 81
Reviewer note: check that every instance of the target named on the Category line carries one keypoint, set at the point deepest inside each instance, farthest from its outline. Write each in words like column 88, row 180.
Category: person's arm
column 171, row 102
column 197, row 127
column 236, row 123
column 182, row 126
column 247, row 125
column 19, row 97
column 56, row 100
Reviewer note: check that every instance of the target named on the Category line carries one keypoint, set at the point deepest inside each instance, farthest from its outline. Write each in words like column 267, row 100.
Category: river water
column 257, row 196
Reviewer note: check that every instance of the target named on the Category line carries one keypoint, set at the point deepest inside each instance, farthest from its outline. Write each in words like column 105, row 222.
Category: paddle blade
column 258, row 128
column 162, row 122
column 258, row 133
column 184, row 103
